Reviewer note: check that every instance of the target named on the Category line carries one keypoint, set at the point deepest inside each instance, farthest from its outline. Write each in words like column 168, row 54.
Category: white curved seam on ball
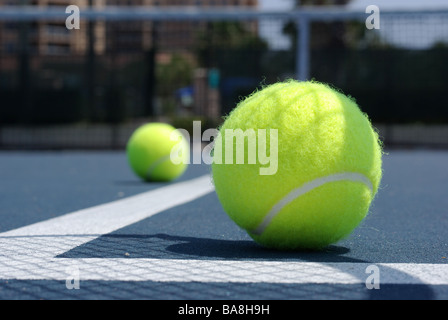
column 151, row 169
column 294, row 194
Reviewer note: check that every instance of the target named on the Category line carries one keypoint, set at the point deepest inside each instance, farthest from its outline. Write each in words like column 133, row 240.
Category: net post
column 303, row 48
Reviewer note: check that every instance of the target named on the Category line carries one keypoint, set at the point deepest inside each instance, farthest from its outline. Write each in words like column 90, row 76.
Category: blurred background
column 135, row 61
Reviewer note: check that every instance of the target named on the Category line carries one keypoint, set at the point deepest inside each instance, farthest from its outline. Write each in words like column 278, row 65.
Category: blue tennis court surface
column 125, row 239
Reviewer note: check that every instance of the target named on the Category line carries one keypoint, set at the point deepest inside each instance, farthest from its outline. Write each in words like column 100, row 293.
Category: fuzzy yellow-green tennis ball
column 324, row 165
column 158, row 152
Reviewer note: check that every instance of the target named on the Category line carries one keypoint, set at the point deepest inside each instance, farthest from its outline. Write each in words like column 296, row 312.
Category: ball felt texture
column 329, row 166
column 157, row 152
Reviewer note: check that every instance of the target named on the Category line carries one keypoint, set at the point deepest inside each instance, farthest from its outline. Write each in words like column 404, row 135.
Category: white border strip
column 220, row 271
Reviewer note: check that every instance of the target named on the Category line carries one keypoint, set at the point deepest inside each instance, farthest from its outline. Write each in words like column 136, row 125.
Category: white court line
column 229, row 271
column 88, row 224
column 29, row 253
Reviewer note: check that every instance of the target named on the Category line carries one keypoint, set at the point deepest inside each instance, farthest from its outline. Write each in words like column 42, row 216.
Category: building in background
column 53, row 38
column 49, row 37
column 119, row 74
column 105, row 63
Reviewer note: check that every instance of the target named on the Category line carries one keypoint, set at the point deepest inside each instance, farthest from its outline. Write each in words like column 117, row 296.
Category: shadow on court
column 164, row 246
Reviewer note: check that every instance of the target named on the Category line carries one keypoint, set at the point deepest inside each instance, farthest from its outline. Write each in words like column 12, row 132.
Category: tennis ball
column 158, row 152
column 328, row 158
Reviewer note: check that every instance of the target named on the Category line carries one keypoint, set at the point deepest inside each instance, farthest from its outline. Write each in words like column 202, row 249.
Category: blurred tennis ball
column 158, row 152
column 329, row 166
